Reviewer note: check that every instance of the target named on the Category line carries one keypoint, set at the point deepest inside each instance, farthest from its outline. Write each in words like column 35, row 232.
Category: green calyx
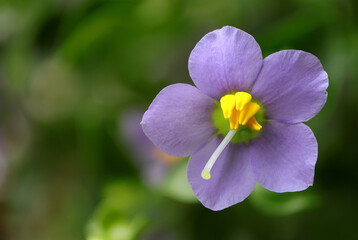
column 244, row 133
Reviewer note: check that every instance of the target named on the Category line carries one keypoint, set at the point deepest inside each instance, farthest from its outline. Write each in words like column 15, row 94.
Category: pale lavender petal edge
column 179, row 119
column 224, row 61
column 292, row 86
column 145, row 155
column 284, row 156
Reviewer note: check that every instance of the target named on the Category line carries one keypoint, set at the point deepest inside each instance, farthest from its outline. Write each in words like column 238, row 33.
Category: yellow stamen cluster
column 239, row 109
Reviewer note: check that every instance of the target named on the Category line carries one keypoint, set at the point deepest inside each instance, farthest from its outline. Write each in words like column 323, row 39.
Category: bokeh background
column 75, row 78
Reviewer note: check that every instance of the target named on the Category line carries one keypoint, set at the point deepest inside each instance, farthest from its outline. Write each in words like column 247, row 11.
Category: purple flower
column 153, row 164
column 158, row 170
column 265, row 100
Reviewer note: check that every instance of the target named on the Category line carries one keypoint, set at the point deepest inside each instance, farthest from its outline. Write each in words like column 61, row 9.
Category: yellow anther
column 240, row 110
column 227, row 103
column 253, row 124
column 234, row 119
column 249, row 111
column 242, row 98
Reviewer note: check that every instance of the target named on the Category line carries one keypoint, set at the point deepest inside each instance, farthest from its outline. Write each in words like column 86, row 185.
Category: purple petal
column 283, row 157
column 292, row 86
column 231, row 177
column 132, row 132
column 146, row 156
column 225, row 60
column 179, row 120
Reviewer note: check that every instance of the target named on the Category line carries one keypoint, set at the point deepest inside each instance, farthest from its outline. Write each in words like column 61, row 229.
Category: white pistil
column 205, row 174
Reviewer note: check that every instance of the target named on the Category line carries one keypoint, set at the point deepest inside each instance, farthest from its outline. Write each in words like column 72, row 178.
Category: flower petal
column 179, row 119
column 231, row 177
column 292, row 86
column 283, row 157
column 150, row 160
column 225, row 60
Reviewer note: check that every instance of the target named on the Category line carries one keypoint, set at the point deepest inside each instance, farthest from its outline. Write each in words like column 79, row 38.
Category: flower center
column 240, row 110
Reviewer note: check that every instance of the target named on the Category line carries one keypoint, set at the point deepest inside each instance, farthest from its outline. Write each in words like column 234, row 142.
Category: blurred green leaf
column 90, row 34
column 177, row 186
column 299, row 25
column 120, row 215
column 282, row 204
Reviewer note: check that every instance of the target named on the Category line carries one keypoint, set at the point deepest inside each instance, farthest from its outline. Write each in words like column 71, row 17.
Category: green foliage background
column 70, row 70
